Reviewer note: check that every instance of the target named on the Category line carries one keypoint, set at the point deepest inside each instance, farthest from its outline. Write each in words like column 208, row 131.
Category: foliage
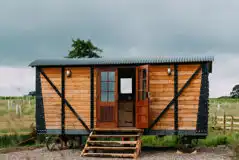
column 235, row 91
column 153, row 141
column 32, row 93
column 16, row 97
column 235, row 149
column 213, row 141
column 223, row 100
column 84, row 49
column 11, row 140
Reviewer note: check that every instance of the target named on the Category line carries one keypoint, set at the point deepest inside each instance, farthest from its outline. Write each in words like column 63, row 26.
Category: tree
column 235, row 91
column 32, row 93
column 84, row 49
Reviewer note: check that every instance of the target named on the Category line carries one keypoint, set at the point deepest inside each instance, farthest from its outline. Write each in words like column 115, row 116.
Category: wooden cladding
column 106, row 113
column 162, row 92
column 160, row 87
column 51, row 100
column 77, row 93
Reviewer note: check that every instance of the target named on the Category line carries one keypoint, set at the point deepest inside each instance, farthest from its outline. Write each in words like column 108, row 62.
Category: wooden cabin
column 157, row 95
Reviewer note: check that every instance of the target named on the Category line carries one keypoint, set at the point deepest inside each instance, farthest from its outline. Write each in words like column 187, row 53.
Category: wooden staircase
column 123, row 143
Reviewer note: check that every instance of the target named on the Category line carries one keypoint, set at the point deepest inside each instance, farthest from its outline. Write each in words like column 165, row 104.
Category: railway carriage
column 109, row 96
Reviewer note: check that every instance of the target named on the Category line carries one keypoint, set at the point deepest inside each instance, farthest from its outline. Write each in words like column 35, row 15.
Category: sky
column 44, row 29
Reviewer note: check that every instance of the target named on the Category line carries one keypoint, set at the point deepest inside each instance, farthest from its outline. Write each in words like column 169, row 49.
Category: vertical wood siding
column 162, row 92
column 188, row 101
column 161, row 87
column 51, row 100
column 77, row 92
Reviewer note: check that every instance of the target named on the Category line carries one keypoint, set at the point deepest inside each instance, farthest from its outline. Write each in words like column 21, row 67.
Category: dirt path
column 43, row 154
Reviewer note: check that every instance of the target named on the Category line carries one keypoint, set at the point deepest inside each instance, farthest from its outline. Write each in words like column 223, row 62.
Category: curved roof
column 119, row 61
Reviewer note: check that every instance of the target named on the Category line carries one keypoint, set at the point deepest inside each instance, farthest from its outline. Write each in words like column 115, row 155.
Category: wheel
column 187, row 144
column 54, row 143
column 70, row 144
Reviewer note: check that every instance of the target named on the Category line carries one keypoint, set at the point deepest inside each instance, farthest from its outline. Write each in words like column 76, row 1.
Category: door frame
column 114, row 123
column 134, row 95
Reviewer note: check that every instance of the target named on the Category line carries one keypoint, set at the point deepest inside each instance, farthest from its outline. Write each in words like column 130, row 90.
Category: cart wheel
column 187, row 144
column 70, row 143
column 54, row 143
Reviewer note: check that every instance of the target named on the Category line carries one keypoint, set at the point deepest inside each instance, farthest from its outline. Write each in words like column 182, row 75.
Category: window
column 126, row 85
column 142, row 86
column 107, row 86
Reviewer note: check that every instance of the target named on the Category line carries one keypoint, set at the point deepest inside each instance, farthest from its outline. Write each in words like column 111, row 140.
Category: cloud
column 44, row 29
column 16, row 81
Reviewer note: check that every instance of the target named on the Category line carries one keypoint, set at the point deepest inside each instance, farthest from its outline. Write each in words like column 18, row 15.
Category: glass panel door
column 107, row 95
column 142, row 102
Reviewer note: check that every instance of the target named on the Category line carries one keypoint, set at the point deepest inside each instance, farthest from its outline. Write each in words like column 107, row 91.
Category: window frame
column 108, row 91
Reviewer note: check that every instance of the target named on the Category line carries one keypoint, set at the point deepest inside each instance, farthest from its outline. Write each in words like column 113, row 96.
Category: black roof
column 119, row 61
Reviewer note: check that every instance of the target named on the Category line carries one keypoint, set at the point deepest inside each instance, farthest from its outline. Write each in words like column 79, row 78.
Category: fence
column 226, row 122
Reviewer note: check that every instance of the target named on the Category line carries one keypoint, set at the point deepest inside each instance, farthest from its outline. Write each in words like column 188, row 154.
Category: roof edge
column 120, row 61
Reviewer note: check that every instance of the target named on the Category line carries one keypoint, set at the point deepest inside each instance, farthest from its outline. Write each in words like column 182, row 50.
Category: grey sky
column 44, row 29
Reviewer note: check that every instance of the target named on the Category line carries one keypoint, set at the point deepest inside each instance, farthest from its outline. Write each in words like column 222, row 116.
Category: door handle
column 128, row 122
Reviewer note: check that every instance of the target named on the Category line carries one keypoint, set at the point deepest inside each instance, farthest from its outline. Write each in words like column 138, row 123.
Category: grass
column 10, row 122
column 15, row 128
column 11, row 140
column 153, row 141
column 210, row 141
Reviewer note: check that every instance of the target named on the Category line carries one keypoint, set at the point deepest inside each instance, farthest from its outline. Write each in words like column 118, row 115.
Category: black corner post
column 202, row 117
column 63, row 100
column 92, row 97
column 176, row 99
column 39, row 114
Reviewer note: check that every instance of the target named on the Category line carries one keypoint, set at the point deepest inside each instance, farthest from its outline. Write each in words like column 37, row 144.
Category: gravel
column 219, row 153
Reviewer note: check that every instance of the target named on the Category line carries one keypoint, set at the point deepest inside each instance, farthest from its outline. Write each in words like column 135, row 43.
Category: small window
column 142, row 85
column 126, row 85
column 107, row 86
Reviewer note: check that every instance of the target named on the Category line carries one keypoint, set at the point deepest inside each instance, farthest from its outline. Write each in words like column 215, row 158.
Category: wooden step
column 113, row 147
column 119, row 129
column 110, row 148
column 114, row 142
column 110, row 154
column 115, row 136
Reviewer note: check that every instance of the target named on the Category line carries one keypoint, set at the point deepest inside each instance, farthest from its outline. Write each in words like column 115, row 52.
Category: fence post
column 8, row 105
column 16, row 109
column 20, row 110
column 215, row 119
column 224, row 123
column 232, row 123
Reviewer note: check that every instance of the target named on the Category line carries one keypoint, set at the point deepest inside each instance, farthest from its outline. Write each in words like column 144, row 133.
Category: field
column 12, row 124
column 14, row 121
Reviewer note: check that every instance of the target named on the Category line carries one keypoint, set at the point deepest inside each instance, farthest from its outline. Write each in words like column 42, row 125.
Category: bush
column 213, row 141
column 11, row 140
column 154, row 141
